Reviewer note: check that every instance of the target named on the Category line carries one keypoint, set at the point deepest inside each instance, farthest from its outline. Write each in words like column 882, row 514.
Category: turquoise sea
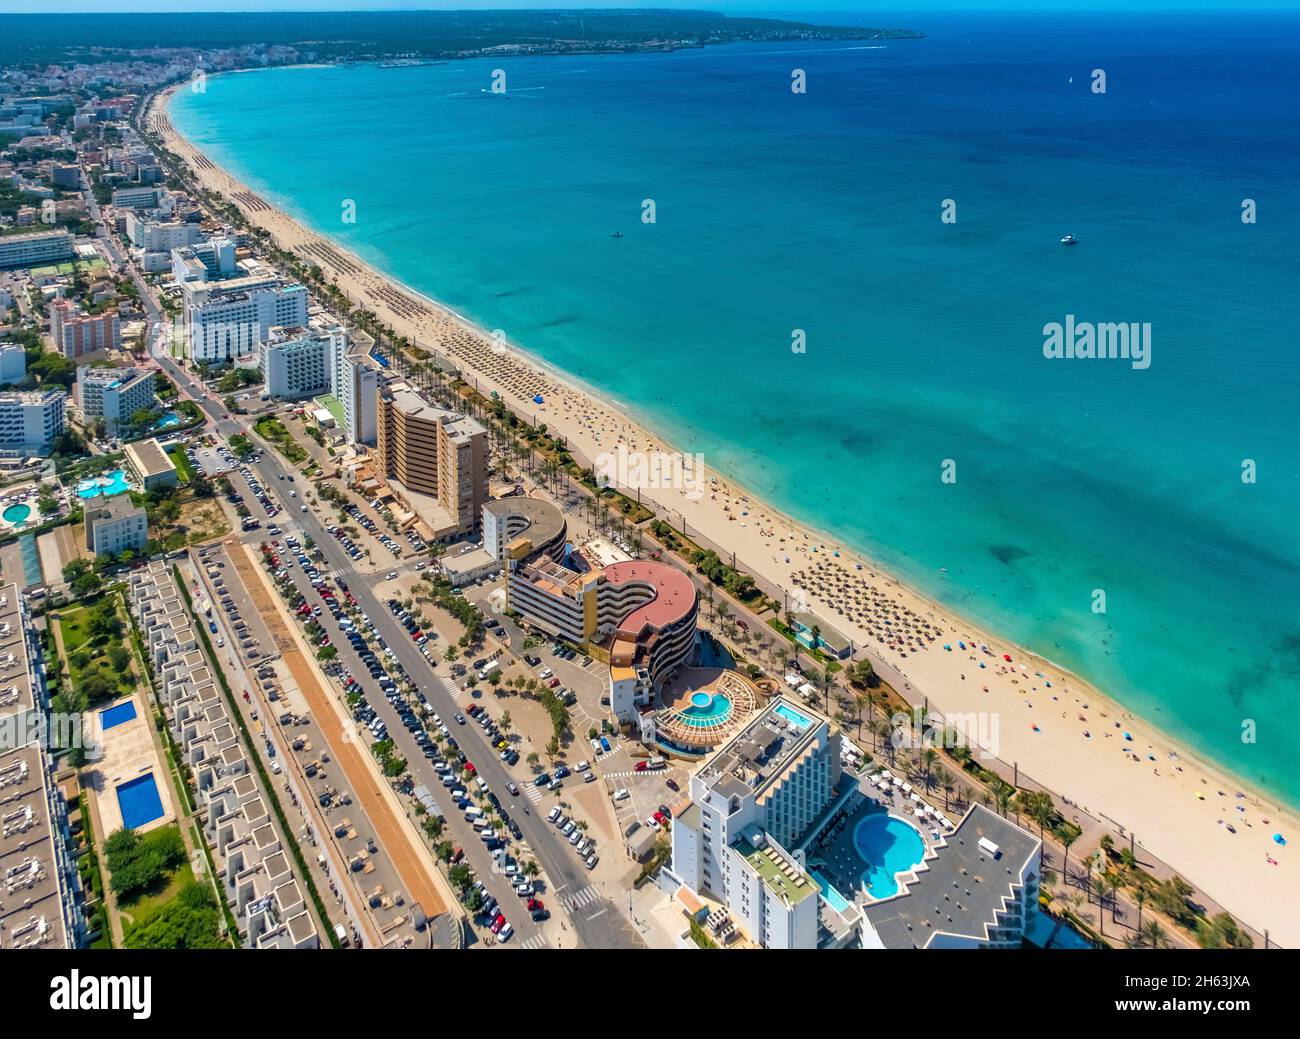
column 821, row 212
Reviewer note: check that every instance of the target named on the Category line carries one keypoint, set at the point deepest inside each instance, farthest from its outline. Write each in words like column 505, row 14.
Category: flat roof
column 149, row 458
column 674, row 595
column 779, row 873
column 964, row 886
column 543, row 521
column 760, row 752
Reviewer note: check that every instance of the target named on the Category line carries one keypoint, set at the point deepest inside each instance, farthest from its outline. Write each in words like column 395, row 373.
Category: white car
column 621, row 794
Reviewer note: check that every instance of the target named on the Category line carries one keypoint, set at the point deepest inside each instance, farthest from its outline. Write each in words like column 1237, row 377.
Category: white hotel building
column 754, row 799
column 299, row 362
column 228, row 320
column 30, row 420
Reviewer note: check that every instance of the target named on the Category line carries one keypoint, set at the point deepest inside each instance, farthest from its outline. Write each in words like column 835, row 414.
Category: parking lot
column 386, row 705
column 296, row 750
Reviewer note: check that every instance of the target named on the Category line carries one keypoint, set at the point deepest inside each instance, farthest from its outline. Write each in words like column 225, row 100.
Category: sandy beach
column 1063, row 733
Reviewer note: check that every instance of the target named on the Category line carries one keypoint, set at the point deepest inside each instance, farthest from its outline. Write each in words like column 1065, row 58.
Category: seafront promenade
column 1167, row 807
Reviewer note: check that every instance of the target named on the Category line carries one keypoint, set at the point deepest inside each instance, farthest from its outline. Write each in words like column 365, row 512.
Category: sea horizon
column 924, row 338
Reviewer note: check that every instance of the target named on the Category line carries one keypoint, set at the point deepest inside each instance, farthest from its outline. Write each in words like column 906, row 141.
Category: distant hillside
column 46, row 38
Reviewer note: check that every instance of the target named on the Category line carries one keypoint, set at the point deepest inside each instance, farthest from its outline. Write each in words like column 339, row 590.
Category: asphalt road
column 599, row 923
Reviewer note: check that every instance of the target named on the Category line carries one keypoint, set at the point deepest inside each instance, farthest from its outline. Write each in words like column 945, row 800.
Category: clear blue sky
column 788, row 7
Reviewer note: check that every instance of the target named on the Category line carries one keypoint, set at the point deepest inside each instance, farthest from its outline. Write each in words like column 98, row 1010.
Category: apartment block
column 30, row 420
column 78, row 335
column 113, row 394
column 435, row 460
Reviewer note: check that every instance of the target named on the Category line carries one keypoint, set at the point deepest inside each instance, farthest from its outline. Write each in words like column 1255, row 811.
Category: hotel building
column 39, row 886
column 644, row 611
column 116, row 525
column 355, row 384
column 976, row 890
column 756, row 797
column 137, row 197
column 521, row 528
column 299, row 362
column 78, row 335
column 30, row 420
column 37, row 249
column 151, row 465
column 227, row 320
column 434, row 460
column 113, row 394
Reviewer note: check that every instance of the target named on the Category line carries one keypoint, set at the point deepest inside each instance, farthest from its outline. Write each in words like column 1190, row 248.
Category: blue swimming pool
column 139, row 801
column 829, row 892
column 706, row 709
column 887, row 845
column 17, row 514
column 792, row 716
column 116, row 715
column 107, row 485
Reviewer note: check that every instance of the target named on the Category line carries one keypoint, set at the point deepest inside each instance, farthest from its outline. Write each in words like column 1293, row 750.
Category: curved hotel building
column 646, row 609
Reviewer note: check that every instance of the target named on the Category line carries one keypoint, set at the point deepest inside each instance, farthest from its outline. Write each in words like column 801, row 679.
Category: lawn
column 183, row 468
column 88, row 657
column 273, row 429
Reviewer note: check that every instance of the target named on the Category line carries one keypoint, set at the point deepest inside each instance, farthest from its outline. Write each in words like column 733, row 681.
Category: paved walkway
column 390, row 830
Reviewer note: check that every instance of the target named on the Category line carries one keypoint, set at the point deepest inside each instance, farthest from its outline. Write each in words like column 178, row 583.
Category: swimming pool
column 829, row 892
column 16, row 514
column 792, row 716
column 169, row 420
column 117, row 715
column 108, row 484
column 887, row 845
column 706, row 709
column 139, row 801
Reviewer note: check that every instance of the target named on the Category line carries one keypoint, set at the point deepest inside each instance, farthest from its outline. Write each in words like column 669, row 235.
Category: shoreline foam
column 1158, row 799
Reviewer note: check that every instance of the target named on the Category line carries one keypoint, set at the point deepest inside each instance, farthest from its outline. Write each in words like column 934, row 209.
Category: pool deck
column 836, row 856
column 126, row 753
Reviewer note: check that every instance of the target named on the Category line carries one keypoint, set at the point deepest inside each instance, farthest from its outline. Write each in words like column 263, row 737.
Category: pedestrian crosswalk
column 533, row 792
column 583, row 897
column 537, row 941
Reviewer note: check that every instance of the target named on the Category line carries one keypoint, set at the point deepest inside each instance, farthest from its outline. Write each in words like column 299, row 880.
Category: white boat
column 1069, row 240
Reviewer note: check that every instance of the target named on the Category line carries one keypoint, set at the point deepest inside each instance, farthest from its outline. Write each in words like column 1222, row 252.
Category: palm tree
column 946, row 781
column 1153, row 935
column 1067, row 833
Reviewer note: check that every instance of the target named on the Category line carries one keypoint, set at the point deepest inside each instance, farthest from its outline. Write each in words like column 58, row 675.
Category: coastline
column 1174, row 800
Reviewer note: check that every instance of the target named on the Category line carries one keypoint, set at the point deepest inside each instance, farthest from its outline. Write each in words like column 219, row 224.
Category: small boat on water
column 616, row 234
column 1069, row 240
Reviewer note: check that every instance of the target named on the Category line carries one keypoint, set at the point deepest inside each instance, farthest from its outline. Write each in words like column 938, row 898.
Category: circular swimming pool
column 706, row 709
column 887, row 845
column 16, row 514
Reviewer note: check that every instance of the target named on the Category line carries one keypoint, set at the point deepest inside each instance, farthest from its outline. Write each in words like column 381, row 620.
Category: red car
column 469, row 767
column 457, row 855
column 553, row 683
column 661, row 819
column 641, row 766
column 498, row 923
column 535, row 904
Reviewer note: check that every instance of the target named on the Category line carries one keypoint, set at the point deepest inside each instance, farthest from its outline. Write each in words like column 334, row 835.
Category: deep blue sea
column 821, row 212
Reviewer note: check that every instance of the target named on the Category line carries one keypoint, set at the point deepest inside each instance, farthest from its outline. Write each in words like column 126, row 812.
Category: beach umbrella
column 1279, row 839
column 539, row 399
column 1006, row 656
